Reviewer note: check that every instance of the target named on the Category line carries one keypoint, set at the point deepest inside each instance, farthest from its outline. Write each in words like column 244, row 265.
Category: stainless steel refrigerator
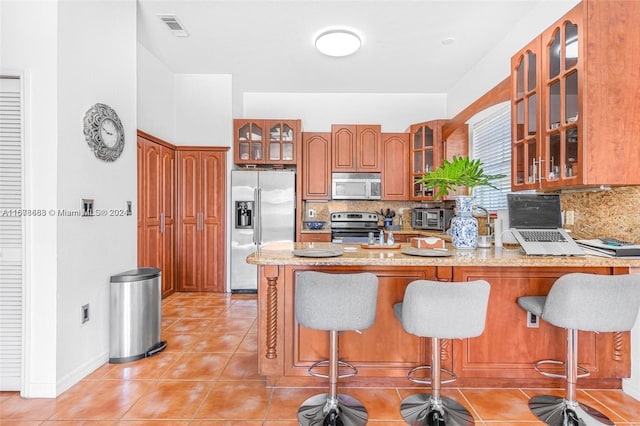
column 263, row 206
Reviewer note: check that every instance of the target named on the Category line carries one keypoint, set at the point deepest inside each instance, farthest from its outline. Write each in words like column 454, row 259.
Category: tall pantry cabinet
column 201, row 218
column 157, row 208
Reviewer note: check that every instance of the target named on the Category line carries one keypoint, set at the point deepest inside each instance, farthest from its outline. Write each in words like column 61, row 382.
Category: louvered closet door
column 11, row 234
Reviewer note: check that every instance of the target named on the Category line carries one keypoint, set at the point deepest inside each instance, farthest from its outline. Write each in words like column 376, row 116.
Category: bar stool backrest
column 447, row 310
column 591, row 302
column 337, row 302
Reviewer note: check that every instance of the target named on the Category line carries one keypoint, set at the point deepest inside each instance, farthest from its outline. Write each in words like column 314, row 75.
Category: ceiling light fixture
column 338, row 42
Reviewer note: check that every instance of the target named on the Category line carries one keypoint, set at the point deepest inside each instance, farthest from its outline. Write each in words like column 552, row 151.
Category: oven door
column 349, row 236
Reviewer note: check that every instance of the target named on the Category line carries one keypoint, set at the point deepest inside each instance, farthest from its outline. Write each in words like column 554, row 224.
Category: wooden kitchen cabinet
column 584, row 103
column 509, row 348
column 395, row 166
column 426, row 153
column 157, row 208
column 356, row 148
column 274, row 142
column 316, row 166
column 202, row 174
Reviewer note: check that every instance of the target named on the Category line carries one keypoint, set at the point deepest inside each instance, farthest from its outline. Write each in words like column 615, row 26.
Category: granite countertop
column 354, row 254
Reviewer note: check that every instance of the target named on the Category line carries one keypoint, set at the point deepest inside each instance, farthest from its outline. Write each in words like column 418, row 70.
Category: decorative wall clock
column 104, row 132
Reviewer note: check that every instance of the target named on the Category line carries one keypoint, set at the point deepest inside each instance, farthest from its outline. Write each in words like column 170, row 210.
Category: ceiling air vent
column 174, row 25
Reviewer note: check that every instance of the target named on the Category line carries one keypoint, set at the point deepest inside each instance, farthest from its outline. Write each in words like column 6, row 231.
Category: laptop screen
column 534, row 211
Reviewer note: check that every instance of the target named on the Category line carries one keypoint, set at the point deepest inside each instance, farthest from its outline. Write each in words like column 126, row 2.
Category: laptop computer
column 536, row 222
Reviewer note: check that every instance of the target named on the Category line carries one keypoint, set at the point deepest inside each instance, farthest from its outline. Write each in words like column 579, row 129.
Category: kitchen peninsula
column 502, row 356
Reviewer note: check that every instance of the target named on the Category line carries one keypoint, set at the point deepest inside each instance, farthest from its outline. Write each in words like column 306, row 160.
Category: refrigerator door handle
column 257, row 219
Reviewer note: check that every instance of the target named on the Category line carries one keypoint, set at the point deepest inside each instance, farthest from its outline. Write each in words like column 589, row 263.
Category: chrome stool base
column 557, row 411
column 318, row 409
column 415, row 410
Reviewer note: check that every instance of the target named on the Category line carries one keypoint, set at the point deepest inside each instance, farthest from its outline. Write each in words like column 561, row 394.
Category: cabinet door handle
column 162, row 223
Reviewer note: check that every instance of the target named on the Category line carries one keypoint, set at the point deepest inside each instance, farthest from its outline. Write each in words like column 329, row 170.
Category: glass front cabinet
column 546, row 101
column 426, row 154
column 273, row 142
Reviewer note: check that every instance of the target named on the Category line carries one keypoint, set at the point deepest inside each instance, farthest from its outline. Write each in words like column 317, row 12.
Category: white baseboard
column 81, row 372
column 631, row 388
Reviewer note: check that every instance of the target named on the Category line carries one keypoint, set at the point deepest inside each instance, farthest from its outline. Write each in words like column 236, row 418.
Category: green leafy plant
column 455, row 174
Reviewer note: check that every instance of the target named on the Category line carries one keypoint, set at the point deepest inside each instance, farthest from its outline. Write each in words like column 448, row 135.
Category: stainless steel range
column 353, row 227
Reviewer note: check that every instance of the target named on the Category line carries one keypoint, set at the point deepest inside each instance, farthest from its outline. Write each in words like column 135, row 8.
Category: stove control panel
column 354, row 217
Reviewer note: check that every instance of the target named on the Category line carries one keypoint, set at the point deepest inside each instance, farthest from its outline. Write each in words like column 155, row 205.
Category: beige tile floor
column 208, row 376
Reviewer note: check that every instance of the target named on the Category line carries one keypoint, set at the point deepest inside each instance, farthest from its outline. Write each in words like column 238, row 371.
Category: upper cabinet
column 316, row 166
column 426, row 153
column 275, row 142
column 356, row 148
column 575, row 104
column 395, row 166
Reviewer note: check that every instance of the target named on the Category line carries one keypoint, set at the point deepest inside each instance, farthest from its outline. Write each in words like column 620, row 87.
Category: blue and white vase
column 464, row 227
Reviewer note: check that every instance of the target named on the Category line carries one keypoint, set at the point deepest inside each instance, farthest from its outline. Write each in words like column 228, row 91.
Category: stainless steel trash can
column 136, row 315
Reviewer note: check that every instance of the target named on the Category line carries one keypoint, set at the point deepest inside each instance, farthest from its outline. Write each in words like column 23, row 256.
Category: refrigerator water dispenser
column 244, row 214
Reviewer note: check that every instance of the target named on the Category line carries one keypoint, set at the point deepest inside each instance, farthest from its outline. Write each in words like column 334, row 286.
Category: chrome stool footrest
column 452, row 377
column 583, row 372
column 325, row 363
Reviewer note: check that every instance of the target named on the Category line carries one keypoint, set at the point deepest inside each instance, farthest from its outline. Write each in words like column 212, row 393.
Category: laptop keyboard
column 542, row 236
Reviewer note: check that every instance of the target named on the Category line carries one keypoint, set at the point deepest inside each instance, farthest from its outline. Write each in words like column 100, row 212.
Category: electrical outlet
column 569, row 218
column 312, row 213
column 532, row 320
column 85, row 313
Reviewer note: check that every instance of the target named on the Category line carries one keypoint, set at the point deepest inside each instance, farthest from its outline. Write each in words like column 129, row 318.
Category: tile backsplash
column 612, row 213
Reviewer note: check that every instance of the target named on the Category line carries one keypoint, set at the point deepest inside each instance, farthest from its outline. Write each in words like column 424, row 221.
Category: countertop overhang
column 354, row 254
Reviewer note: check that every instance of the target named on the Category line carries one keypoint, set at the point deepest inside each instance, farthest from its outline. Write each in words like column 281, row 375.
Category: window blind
column 491, row 144
column 11, row 240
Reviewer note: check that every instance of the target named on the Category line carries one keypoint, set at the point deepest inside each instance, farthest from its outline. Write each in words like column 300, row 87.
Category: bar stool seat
column 440, row 310
column 334, row 303
column 580, row 302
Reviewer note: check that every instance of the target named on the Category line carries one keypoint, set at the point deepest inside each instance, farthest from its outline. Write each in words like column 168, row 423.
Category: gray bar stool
column 440, row 310
column 334, row 303
column 585, row 302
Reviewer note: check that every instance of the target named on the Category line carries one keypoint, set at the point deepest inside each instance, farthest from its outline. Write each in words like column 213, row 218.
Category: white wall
column 156, row 101
column 72, row 55
column 395, row 112
column 203, row 110
column 28, row 36
column 96, row 63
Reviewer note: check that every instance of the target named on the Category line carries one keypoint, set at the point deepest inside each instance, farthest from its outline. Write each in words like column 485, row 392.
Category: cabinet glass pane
column 519, row 164
column 417, row 139
column 571, row 150
column 531, row 71
column 532, row 163
column 571, row 97
column 243, row 134
column 554, row 156
column 417, row 162
column 520, row 120
column 520, row 78
column 287, row 151
column 428, row 137
column 274, row 133
column 287, row 133
column 554, row 56
column 532, row 114
column 274, row 151
column 571, row 46
column 256, row 151
column 554, row 105
column 243, row 150
column 256, row 132
column 428, row 161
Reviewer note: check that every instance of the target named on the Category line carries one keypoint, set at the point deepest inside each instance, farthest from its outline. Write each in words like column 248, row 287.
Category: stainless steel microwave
column 356, row 186
column 431, row 218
